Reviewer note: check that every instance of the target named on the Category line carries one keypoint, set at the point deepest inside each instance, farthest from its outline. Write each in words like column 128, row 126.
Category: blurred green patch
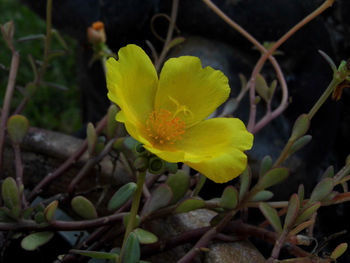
column 50, row 108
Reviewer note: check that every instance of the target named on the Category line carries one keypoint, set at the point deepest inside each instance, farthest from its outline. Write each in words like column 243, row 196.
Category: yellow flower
column 168, row 115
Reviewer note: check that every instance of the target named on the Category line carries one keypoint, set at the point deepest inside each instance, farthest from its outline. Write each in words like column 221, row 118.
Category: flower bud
column 96, row 33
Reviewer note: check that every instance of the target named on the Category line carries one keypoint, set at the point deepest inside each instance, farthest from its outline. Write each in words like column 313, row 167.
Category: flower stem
column 334, row 83
column 134, row 208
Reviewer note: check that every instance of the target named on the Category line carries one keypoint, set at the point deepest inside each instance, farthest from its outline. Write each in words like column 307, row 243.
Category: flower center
column 163, row 127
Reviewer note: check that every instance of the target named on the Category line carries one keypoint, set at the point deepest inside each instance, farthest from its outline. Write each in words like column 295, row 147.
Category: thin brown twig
column 65, row 166
column 172, row 22
column 7, row 102
column 251, row 83
column 61, row 225
column 88, row 166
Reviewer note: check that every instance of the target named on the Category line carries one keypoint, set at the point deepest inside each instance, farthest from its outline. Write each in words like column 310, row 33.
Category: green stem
column 134, row 208
column 284, row 154
column 334, row 83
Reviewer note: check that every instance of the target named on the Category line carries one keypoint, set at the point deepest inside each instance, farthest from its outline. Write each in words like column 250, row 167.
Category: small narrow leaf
column 329, row 172
column 272, row 177
column 262, row 88
column 307, row 213
column 321, row 190
column 132, row 249
column 299, row 143
column 266, row 164
column 35, row 240
column 245, row 178
column 301, row 193
column 145, row 237
column 9, row 192
column 189, row 205
column 229, row 198
column 292, row 212
column 50, row 211
column 91, row 138
column 339, row 250
column 17, row 127
column 95, row 254
column 301, row 126
column 263, row 195
column 160, row 197
column 83, row 207
column 271, row 215
column 272, row 88
column 179, row 184
column 301, row 227
column 112, row 124
column 120, row 197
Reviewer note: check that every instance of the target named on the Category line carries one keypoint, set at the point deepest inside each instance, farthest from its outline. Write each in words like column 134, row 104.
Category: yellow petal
column 211, row 138
column 215, row 148
column 190, row 91
column 222, row 168
column 132, row 83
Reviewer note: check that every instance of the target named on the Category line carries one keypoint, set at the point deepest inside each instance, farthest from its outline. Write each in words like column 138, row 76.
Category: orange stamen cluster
column 164, row 128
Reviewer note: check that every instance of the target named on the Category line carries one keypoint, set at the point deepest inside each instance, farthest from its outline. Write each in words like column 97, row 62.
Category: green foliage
column 50, row 108
column 35, row 240
column 121, row 196
column 83, row 207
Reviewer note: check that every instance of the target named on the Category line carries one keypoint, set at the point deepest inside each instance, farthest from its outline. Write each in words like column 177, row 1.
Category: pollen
column 163, row 128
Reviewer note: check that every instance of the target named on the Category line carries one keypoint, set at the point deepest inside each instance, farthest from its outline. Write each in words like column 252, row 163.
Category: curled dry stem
column 172, row 22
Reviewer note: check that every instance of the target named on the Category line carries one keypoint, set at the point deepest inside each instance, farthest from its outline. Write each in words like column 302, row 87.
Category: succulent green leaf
column 179, row 184
column 246, row 179
column 10, row 193
column 301, row 126
column 321, row 190
column 262, row 88
column 91, row 138
column 301, row 193
column 126, row 220
column 272, row 177
column 132, row 249
column 271, row 215
column 229, row 198
column 266, row 164
column 176, row 41
column 292, row 212
column 145, row 237
column 263, row 195
column 83, row 207
column 95, row 254
column 329, row 172
column 121, row 196
column 160, row 197
column 17, row 127
column 300, row 227
column 299, row 143
column 272, row 88
column 307, row 213
column 35, row 240
column 339, row 250
column 112, row 124
column 189, row 205
column 50, row 210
